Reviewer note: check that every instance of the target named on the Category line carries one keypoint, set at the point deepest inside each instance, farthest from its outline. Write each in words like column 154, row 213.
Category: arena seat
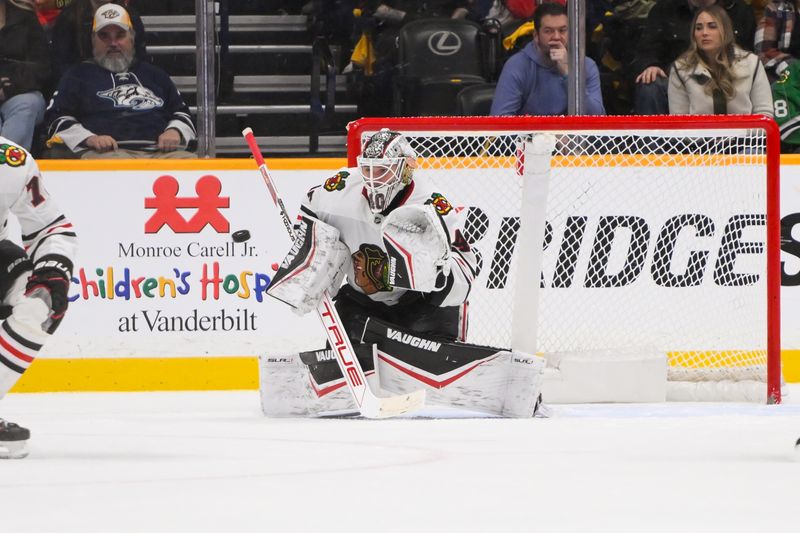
column 437, row 58
column 475, row 100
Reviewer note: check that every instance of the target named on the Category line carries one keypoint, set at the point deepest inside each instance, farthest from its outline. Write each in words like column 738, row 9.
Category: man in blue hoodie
column 534, row 80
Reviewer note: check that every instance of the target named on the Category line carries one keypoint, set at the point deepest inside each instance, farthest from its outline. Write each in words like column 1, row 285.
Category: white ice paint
column 210, row 462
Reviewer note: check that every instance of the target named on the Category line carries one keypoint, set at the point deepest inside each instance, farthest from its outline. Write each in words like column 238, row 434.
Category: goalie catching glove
column 49, row 282
column 418, row 248
column 312, row 266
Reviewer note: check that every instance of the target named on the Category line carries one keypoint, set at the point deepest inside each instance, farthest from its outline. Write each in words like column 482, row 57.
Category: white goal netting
column 652, row 238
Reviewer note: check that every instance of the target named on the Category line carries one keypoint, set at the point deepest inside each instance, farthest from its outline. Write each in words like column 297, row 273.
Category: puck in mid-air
column 240, row 236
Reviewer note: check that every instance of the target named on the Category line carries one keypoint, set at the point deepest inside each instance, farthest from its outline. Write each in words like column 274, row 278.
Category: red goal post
column 660, row 230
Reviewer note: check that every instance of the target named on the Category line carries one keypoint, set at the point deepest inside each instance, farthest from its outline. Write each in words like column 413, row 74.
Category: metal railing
column 237, row 48
column 244, row 83
column 206, row 86
column 236, row 23
column 322, row 64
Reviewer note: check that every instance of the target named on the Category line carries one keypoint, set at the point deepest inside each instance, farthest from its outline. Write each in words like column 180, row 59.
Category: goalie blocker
column 472, row 377
column 312, row 266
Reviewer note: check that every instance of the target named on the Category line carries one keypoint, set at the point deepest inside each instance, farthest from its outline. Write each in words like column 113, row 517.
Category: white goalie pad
column 14, row 449
column 289, row 387
column 455, row 374
column 505, row 383
column 312, row 266
column 287, row 390
column 418, row 246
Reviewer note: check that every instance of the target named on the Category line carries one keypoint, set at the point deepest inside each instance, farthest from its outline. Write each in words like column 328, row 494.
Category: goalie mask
column 386, row 164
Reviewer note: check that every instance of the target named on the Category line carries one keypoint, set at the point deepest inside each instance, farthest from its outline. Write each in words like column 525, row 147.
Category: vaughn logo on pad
column 411, row 340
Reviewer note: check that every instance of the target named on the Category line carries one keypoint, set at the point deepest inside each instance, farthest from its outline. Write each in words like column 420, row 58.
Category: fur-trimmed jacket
column 752, row 93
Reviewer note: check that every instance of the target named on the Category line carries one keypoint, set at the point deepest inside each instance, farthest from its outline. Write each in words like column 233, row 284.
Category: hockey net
column 657, row 232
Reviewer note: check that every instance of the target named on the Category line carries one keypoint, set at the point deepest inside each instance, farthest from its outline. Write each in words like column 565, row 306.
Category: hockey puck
column 240, row 236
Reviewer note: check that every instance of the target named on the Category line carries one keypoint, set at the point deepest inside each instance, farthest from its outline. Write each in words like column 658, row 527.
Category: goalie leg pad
column 467, row 376
column 288, row 388
column 418, row 246
column 308, row 384
column 524, row 378
column 312, row 266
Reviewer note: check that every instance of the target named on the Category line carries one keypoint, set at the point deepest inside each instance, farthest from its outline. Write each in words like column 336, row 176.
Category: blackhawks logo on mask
column 11, row 155
column 441, row 203
column 336, row 183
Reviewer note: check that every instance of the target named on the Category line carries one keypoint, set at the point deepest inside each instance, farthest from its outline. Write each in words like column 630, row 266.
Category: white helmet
column 386, row 162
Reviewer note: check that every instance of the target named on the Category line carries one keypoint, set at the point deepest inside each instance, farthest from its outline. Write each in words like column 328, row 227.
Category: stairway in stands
column 264, row 82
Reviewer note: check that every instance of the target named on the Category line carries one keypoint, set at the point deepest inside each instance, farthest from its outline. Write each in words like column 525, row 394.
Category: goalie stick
column 370, row 405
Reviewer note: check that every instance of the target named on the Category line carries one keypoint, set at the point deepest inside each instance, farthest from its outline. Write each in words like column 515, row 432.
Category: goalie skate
column 13, row 440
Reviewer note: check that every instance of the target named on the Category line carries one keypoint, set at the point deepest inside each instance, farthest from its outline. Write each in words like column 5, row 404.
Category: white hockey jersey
column 45, row 229
column 341, row 202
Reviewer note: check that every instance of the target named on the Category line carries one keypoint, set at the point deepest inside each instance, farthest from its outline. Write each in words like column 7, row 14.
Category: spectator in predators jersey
column 72, row 34
column 115, row 106
column 24, row 68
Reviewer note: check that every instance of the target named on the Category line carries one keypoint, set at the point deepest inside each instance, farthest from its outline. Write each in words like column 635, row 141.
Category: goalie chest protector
column 341, row 202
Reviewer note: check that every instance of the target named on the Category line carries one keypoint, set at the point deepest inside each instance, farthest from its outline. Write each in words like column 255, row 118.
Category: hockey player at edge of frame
column 34, row 281
column 400, row 245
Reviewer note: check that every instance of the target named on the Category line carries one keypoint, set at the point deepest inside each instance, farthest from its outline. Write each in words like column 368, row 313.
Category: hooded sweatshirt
column 527, row 86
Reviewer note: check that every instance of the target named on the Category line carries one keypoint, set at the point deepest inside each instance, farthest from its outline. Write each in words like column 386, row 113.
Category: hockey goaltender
column 400, row 245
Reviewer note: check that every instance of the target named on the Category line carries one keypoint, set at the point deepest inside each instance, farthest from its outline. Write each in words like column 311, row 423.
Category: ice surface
column 210, row 462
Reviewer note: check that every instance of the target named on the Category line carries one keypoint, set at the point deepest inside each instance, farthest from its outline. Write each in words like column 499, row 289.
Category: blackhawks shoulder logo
column 336, row 183
column 11, row 155
column 441, row 203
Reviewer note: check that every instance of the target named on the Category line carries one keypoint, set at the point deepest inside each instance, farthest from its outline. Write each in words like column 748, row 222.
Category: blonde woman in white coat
column 716, row 77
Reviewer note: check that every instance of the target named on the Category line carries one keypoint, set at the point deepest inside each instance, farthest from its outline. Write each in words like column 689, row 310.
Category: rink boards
column 163, row 299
